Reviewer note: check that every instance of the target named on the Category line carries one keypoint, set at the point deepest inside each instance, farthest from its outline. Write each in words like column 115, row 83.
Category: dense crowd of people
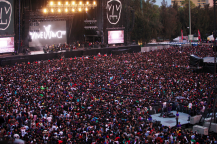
column 104, row 99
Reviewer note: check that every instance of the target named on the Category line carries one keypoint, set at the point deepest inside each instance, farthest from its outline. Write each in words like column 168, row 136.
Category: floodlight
column 66, row 10
column 73, row 3
column 52, row 10
column 51, row 3
column 79, row 9
column 59, row 10
column 80, row 3
column 86, row 9
column 67, row 3
column 94, row 2
column 87, row 3
column 59, row 3
column 73, row 10
column 45, row 10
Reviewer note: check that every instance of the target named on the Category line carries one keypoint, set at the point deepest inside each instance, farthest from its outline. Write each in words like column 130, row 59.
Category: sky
column 158, row 2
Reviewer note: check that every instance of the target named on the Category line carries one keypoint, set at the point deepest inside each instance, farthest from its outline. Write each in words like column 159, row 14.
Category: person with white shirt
column 203, row 109
column 49, row 119
column 189, row 108
column 54, row 127
column 23, row 131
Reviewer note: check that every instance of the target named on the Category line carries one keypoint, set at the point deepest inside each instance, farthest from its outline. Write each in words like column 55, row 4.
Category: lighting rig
column 68, row 7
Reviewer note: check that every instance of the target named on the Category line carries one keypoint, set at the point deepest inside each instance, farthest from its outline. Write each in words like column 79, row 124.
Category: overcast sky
column 158, row 2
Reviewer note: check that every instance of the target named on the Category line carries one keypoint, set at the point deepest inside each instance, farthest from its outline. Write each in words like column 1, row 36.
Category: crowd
column 101, row 100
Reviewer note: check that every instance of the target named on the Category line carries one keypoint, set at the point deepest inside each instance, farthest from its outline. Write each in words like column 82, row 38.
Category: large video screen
column 6, row 17
column 6, row 44
column 116, row 37
column 48, row 33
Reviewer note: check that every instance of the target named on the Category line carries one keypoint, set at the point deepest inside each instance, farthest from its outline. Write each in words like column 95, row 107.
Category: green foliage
column 166, row 22
column 147, row 24
column 186, row 4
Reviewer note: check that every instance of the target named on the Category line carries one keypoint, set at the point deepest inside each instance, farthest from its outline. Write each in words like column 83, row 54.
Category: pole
column 189, row 20
column 214, row 57
column 19, row 27
column 212, row 114
column 102, row 40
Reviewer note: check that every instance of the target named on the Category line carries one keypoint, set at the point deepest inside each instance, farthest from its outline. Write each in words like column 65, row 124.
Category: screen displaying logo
column 5, row 14
column 47, row 34
column 114, row 8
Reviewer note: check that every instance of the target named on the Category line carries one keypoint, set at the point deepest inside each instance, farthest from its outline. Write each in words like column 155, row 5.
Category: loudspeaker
column 200, row 129
column 213, row 126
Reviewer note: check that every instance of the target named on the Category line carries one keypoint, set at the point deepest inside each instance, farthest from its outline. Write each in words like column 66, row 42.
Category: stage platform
column 171, row 122
column 9, row 59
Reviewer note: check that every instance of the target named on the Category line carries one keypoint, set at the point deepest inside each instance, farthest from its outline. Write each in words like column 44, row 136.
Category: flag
column 199, row 36
column 182, row 34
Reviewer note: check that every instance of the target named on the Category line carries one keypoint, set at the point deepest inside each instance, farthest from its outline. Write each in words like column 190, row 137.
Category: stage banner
column 6, row 17
column 115, row 22
column 114, row 14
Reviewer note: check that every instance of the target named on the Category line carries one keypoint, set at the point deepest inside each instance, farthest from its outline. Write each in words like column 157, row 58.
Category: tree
column 139, row 29
column 147, row 24
column 186, row 4
column 178, row 22
column 168, row 19
column 153, row 25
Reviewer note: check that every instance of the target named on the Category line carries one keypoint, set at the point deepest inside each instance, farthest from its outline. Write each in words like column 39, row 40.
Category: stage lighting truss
column 90, row 27
column 59, row 7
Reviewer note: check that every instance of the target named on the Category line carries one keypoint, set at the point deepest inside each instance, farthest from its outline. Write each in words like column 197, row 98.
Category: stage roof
column 209, row 59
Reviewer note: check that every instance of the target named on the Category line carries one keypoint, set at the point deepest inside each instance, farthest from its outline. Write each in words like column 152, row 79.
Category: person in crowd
column 105, row 99
column 177, row 118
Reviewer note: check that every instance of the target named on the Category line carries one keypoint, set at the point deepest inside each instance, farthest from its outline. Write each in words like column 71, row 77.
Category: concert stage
column 171, row 122
column 40, row 55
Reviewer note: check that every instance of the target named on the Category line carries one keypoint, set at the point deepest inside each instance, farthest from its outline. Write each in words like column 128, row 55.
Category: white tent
column 179, row 39
column 210, row 38
column 176, row 39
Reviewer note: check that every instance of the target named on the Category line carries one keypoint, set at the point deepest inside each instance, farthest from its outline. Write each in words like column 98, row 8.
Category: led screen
column 6, row 44
column 48, row 33
column 116, row 37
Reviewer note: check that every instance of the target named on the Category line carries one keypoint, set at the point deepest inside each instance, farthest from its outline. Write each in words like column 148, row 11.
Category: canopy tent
column 208, row 65
column 208, row 59
column 179, row 39
column 204, row 65
column 176, row 39
column 195, row 61
column 210, row 38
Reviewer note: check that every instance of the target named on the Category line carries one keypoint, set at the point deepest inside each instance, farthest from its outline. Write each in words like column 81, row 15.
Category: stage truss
column 67, row 7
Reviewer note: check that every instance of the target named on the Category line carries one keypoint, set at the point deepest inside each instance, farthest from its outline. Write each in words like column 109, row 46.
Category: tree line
column 150, row 21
